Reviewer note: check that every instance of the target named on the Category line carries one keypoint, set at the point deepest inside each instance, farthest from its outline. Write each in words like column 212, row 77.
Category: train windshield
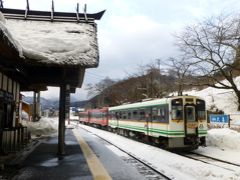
column 177, row 109
column 190, row 113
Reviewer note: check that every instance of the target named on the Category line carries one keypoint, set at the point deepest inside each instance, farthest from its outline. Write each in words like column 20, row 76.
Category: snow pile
column 44, row 127
column 224, row 138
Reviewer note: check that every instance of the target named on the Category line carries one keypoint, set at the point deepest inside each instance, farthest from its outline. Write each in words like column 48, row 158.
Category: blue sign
column 218, row 118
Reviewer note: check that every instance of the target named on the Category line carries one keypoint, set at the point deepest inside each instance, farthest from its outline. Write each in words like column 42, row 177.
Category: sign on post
column 219, row 119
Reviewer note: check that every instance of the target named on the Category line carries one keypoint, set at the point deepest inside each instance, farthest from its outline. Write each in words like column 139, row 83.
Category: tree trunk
column 238, row 98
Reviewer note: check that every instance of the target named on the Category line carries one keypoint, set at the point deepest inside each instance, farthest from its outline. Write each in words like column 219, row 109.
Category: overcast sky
column 133, row 32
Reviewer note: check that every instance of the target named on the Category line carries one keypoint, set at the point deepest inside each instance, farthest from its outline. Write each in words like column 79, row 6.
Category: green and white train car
column 172, row 122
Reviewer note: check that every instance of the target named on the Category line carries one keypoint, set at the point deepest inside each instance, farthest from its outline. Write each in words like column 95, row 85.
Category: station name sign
column 219, row 119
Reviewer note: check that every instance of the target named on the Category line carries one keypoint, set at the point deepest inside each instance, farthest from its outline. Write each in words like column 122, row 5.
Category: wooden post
column 61, row 124
column 67, row 106
column 38, row 105
column 229, row 125
column 34, row 115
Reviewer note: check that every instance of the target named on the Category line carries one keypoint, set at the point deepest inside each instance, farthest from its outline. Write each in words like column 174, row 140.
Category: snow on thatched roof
column 53, row 43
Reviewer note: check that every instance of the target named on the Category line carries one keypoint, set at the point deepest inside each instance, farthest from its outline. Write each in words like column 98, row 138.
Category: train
column 176, row 122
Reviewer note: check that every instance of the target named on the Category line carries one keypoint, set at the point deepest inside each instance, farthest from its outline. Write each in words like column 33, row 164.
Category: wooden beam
column 14, row 13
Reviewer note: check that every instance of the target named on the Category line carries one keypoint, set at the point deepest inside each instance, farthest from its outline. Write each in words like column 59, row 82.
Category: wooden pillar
column 34, row 106
column 62, row 116
column 38, row 105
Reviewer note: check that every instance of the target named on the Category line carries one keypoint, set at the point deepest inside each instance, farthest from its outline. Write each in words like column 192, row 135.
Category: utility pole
column 159, row 70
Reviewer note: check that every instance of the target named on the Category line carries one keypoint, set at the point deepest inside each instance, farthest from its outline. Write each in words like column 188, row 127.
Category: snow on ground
column 173, row 165
column 43, row 127
column 221, row 143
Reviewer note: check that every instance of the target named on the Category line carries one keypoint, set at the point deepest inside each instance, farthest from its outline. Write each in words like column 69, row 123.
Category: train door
column 190, row 120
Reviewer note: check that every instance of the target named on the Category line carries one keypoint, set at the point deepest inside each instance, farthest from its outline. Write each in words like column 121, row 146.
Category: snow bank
column 224, row 138
column 44, row 127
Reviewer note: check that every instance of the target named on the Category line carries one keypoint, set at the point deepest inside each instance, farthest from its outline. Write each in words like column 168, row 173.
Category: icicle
column 1, row 4
column 52, row 12
column 85, row 12
column 77, row 12
column 27, row 9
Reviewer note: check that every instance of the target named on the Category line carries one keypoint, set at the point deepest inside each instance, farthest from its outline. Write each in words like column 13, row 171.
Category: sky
column 133, row 32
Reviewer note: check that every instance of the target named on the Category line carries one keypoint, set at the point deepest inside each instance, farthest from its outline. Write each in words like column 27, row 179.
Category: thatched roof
column 51, row 43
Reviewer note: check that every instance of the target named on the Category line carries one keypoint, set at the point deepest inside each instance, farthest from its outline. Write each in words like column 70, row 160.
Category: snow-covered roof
column 51, row 43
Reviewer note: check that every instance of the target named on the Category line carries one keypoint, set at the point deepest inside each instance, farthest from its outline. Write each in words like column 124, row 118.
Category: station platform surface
column 86, row 157
column 44, row 163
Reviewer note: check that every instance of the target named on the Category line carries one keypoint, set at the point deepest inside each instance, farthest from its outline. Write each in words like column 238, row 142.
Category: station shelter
column 40, row 49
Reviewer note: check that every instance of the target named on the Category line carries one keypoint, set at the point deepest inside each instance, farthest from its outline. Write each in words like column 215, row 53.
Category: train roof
column 150, row 103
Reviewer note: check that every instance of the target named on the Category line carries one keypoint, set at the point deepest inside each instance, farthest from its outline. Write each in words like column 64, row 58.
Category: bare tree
column 100, row 89
column 180, row 69
column 213, row 47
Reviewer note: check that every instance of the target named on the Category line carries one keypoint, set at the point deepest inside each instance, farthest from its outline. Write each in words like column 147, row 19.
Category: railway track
column 149, row 172
column 212, row 161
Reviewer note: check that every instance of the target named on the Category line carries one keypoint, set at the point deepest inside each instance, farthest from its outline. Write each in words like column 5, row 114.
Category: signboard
column 219, row 119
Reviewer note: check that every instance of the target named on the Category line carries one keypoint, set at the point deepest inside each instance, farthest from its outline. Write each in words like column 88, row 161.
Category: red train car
column 98, row 117
column 84, row 117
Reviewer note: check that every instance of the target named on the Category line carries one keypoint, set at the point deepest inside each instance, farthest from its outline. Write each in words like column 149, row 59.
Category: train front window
column 190, row 113
column 177, row 109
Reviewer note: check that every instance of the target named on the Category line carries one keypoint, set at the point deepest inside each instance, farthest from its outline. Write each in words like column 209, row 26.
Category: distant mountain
column 53, row 104
column 79, row 104
column 45, row 103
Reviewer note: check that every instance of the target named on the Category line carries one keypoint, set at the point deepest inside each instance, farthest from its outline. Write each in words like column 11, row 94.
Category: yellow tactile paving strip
column 97, row 169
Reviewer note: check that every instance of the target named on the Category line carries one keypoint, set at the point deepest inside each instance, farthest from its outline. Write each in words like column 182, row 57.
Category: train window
column 135, row 114
column 142, row 114
column 117, row 115
column 200, row 106
column 177, row 109
column 120, row 115
column 112, row 115
column 129, row 115
column 190, row 113
column 160, row 114
column 155, row 114
column 124, row 114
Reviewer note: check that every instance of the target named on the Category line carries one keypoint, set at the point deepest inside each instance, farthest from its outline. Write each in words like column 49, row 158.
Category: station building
column 40, row 49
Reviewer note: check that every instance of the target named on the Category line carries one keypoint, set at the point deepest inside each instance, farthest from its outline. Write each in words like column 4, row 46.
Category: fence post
column 229, row 120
